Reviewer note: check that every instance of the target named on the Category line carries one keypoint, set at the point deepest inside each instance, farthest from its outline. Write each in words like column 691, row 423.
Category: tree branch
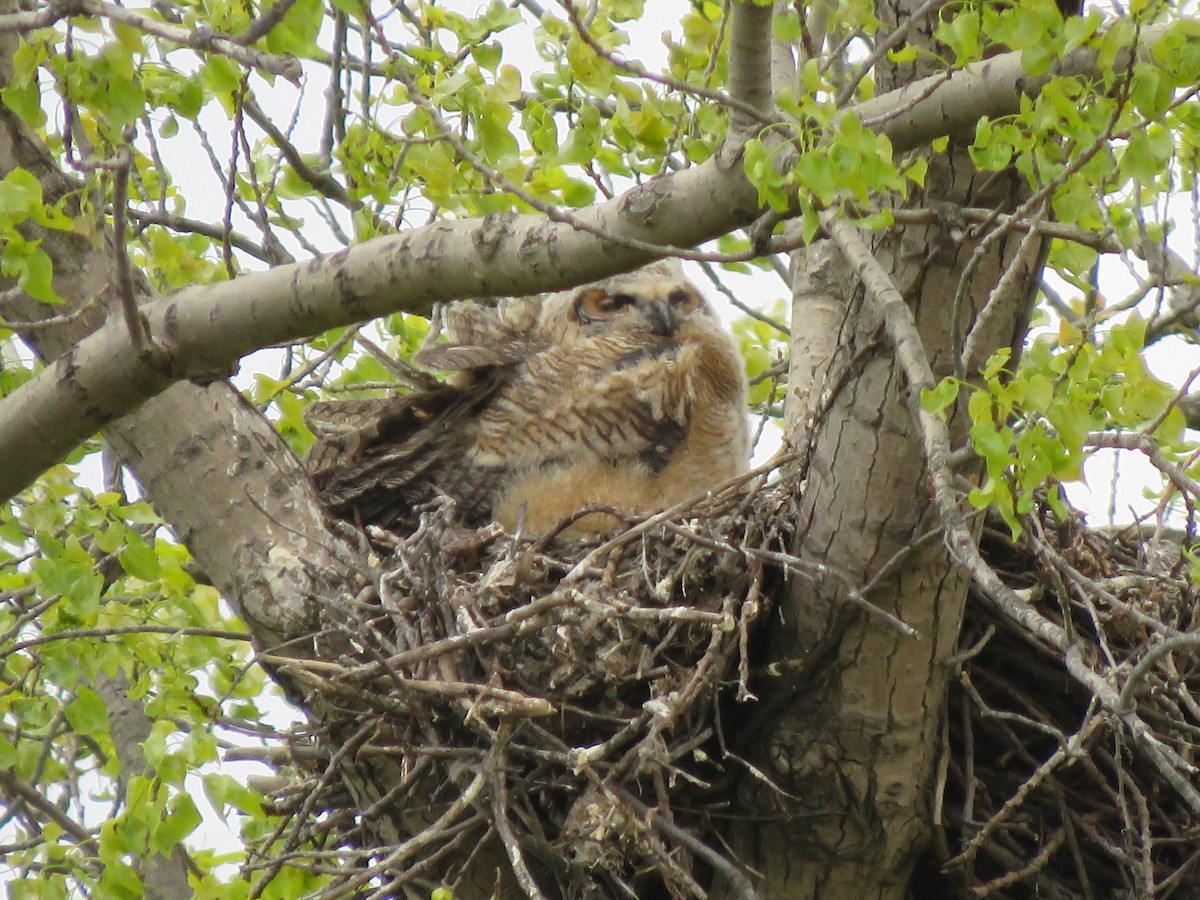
column 164, row 878
column 205, row 330
column 749, row 67
column 914, row 362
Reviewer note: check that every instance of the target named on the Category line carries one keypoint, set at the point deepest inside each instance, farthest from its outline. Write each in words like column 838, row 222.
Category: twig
column 738, row 883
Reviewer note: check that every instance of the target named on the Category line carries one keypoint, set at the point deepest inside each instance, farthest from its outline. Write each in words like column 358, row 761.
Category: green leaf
column 87, row 713
column 1152, row 91
column 119, row 881
column 181, row 821
column 24, row 98
column 225, row 791
column 37, row 275
column 787, row 27
column 487, row 55
column 154, row 747
column 138, row 559
column 937, row 398
column 78, row 585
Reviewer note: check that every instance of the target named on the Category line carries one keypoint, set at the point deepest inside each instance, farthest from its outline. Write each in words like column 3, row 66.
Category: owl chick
column 626, row 393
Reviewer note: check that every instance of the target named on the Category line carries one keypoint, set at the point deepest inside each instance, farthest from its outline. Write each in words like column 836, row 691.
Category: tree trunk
column 851, row 730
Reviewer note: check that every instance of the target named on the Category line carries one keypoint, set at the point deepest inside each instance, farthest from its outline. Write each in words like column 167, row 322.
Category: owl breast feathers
column 626, row 393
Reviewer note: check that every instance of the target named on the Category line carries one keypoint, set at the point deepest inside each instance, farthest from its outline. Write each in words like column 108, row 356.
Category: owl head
column 657, row 298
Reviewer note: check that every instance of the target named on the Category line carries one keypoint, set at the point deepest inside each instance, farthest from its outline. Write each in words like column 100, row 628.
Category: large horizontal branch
column 203, row 331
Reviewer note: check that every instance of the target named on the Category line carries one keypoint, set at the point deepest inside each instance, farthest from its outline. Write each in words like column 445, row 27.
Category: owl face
column 660, row 314
column 657, row 298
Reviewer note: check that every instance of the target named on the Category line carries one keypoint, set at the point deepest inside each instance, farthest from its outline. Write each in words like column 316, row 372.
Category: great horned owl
column 626, row 393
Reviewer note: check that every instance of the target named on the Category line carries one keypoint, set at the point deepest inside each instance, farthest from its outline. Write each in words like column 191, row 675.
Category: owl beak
column 662, row 317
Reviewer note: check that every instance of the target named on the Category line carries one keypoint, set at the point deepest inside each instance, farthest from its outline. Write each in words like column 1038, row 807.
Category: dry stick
column 1148, row 446
column 580, row 570
column 910, row 353
column 434, row 832
column 1066, row 816
column 504, row 828
column 528, row 616
column 1008, row 879
column 1170, row 645
column 738, row 882
column 1065, row 753
column 276, row 864
column 794, row 564
column 452, row 838
column 506, row 701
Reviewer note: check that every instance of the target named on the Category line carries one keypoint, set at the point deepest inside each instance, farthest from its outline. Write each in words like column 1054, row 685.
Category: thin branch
column 207, row 329
column 27, row 794
column 749, row 68
column 915, row 364
column 322, row 181
column 738, row 883
column 199, row 39
column 753, row 112
column 139, row 334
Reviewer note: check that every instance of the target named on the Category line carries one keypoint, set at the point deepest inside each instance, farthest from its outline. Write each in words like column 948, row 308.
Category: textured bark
column 852, row 730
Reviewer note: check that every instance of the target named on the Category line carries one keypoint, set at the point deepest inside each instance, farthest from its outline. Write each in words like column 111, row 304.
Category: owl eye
column 594, row 304
column 683, row 300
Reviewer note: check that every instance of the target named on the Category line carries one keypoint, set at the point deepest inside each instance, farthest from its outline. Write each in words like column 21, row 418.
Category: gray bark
column 851, row 731
column 163, row 877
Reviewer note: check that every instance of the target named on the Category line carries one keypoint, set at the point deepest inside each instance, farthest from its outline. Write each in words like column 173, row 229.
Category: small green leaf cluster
column 112, row 78
column 1102, row 149
column 838, row 162
column 1033, row 27
column 1030, row 427
column 21, row 202
column 762, row 346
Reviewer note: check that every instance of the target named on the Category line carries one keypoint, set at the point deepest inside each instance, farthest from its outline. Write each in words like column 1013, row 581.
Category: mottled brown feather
column 627, row 393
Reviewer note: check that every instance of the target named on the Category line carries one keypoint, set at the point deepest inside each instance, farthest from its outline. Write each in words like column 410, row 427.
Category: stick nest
column 554, row 711
column 531, row 700
column 1045, row 791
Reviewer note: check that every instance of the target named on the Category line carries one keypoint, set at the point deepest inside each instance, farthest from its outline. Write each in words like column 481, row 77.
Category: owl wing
column 376, row 459
column 383, row 457
column 479, row 337
column 620, row 398
column 470, row 357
